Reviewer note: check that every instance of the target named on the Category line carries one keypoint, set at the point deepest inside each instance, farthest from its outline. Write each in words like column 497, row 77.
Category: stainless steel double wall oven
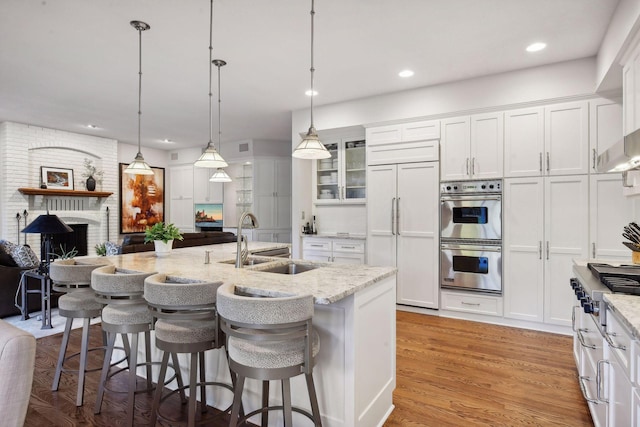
column 471, row 236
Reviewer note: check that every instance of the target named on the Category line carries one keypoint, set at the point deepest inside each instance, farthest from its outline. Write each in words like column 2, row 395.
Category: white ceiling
column 67, row 63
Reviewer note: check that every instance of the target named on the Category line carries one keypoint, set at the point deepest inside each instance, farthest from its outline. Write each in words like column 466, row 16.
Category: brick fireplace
column 24, row 149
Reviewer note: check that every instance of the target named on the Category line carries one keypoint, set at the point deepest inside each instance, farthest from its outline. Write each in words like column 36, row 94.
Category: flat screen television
column 208, row 215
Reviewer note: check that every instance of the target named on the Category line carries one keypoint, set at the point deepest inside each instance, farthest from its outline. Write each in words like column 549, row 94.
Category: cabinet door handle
column 316, row 246
column 393, row 216
column 599, row 380
column 547, row 250
column 548, row 162
column 583, row 389
column 607, row 337
column 595, row 155
column 473, row 166
column 581, row 338
column 593, row 250
column 573, row 318
column 540, row 249
column 540, row 162
column 398, row 216
column 343, row 193
column 467, row 167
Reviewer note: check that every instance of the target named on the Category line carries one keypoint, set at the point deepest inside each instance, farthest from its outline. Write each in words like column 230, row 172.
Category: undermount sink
column 289, row 268
column 250, row 261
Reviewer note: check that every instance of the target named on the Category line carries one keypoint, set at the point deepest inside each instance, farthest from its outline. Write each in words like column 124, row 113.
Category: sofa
column 17, row 364
column 135, row 242
column 10, row 275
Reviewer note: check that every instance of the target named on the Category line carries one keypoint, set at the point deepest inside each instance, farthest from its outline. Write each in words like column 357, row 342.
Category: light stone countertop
column 327, row 283
column 335, row 236
column 627, row 307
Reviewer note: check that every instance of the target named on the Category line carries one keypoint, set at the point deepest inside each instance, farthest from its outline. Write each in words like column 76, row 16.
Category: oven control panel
column 473, row 187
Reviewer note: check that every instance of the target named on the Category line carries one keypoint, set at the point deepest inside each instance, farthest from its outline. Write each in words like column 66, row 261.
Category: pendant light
column 139, row 166
column 220, row 175
column 210, row 158
column 310, row 147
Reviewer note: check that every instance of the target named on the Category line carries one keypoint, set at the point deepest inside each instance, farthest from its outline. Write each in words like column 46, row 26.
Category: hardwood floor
column 458, row 373
column 449, row 373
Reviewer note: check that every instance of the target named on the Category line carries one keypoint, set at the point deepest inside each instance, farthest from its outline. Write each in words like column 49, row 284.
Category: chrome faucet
column 243, row 253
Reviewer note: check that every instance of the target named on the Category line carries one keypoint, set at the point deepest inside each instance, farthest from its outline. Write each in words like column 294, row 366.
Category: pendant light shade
column 220, row 176
column 139, row 166
column 311, row 147
column 210, row 158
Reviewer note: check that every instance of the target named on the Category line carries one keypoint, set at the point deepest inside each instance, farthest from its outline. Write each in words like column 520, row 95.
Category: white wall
column 24, row 149
column 624, row 23
column 515, row 89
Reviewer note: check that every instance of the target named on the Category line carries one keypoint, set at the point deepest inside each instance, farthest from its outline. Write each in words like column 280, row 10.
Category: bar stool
column 74, row 278
column 269, row 339
column 186, row 323
column 125, row 312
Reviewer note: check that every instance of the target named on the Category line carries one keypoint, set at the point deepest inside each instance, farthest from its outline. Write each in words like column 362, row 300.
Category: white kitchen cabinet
column 523, row 142
column 609, row 212
column 341, row 178
column 205, row 191
column 341, row 251
column 472, row 147
column 181, row 212
column 553, row 140
column 545, row 229
column 281, row 236
column 272, row 193
column 617, row 354
column 403, row 143
column 605, row 127
column 567, row 138
column 403, row 228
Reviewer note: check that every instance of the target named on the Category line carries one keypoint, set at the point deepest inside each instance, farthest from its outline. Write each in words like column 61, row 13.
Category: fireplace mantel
column 58, row 193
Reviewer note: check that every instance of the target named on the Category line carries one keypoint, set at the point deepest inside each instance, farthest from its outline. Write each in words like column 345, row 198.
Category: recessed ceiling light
column 309, row 93
column 406, row 73
column 535, row 47
column 167, row 141
column 92, row 126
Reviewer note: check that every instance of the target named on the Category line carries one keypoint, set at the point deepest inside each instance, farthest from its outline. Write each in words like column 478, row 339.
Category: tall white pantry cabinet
column 403, row 209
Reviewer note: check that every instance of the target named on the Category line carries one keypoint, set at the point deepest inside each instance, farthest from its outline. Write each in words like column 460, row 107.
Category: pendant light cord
column 312, row 69
column 219, row 64
column 139, row 85
column 210, row 72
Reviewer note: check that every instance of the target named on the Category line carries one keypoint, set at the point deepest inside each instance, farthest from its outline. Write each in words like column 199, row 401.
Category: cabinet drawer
column 316, row 245
column 348, row 246
column 417, row 131
column 403, row 152
column 619, row 339
column 383, row 134
column 480, row 304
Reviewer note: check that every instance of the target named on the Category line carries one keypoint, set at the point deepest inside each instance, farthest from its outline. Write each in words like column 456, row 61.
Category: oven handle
column 469, row 247
column 449, row 198
column 581, row 339
column 599, row 380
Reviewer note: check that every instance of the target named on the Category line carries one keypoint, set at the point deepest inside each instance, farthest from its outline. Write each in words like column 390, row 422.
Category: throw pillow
column 24, row 256
column 6, row 260
column 112, row 248
column 7, row 246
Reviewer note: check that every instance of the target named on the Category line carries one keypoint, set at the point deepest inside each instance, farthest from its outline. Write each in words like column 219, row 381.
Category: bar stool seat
column 125, row 313
column 74, row 278
column 186, row 323
column 269, row 339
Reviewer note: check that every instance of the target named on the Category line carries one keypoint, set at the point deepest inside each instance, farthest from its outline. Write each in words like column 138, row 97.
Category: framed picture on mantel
column 56, row 178
column 141, row 200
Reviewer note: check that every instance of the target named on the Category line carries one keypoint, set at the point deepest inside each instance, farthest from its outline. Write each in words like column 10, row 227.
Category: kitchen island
column 354, row 315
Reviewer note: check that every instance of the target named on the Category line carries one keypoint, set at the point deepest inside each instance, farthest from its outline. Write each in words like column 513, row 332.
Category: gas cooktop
column 623, row 278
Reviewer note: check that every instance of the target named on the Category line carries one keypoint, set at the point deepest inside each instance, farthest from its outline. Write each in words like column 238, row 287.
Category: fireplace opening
column 67, row 241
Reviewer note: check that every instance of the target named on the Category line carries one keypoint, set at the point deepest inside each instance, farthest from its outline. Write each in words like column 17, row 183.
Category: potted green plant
column 162, row 235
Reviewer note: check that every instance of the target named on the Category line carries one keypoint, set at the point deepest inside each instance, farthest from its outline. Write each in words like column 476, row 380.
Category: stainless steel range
column 471, row 236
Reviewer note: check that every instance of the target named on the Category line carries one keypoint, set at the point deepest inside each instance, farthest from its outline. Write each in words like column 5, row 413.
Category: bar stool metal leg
column 63, row 351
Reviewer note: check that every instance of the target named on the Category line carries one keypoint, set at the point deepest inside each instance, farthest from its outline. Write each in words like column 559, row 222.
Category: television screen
column 208, row 215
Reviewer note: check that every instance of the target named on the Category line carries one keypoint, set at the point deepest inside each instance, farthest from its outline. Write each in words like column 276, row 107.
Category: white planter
column 162, row 248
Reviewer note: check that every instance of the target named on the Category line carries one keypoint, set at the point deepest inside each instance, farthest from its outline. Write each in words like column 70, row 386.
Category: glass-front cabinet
column 342, row 177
